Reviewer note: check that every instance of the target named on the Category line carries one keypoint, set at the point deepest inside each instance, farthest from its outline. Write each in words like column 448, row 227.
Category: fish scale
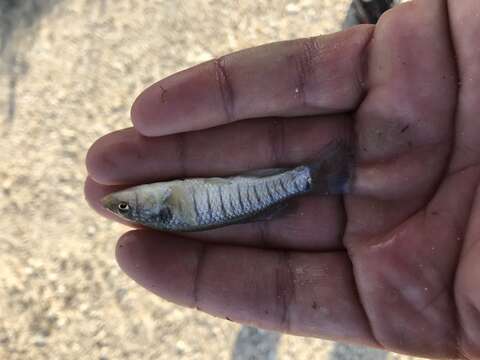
column 217, row 202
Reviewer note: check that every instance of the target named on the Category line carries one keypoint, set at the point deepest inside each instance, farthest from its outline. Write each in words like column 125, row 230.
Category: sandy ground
column 69, row 71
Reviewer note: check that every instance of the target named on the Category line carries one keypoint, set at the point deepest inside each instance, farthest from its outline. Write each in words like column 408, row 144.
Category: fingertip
column 126, row 251
column 99, row 160
column 161, row 263
column 163, row 108
column 135, row 252
column 144, row 111
column 110, row 156
column 92, row 193
column 185, row 101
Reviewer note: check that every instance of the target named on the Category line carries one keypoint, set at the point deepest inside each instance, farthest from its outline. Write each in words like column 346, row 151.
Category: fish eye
column 123, row 206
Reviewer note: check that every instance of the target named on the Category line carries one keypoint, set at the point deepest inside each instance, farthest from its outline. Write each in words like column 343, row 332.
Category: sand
column 69, row 71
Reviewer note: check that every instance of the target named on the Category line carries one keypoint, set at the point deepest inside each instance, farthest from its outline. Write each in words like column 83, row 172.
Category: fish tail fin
column 333, row 172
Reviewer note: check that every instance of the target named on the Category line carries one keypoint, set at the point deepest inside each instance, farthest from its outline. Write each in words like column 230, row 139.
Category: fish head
column 140, row 206
column 121, row 203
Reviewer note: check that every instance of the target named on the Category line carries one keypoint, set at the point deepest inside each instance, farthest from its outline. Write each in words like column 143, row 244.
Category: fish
column 197, row 204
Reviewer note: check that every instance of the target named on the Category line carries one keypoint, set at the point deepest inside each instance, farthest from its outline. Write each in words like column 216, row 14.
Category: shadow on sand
column 347, row 352
column 257, row 344
column 18, row 25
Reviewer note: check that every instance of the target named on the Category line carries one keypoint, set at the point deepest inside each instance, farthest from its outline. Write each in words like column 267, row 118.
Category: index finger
column 316, row 75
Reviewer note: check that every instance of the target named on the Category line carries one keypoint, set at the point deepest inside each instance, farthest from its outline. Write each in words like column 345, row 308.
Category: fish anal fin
column 273, row 212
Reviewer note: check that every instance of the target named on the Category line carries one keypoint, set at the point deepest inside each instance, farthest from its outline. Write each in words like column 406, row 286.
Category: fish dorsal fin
column 218, row 181
column 263, row 172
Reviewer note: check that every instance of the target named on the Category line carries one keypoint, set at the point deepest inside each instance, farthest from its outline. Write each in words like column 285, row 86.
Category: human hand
column 393, row 264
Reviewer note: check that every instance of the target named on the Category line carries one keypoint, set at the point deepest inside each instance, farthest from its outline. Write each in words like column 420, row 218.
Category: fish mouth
column 107, row 202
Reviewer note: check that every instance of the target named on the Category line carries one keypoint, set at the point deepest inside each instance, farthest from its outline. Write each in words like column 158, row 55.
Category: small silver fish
column 205, row 203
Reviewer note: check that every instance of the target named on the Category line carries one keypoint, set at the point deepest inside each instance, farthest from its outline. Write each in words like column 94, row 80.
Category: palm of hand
column 392, row 264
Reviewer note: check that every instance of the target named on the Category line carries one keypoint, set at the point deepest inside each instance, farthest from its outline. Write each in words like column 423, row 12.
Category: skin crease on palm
column 394, row 263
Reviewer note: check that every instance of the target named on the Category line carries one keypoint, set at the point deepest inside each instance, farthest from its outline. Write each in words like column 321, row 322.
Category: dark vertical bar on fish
column 247, row 197
column 297, row 187
column 257, row 196
column 282, row 185
column 195, row 205
column 233, row 208
column 222, row 203
column 281, row 191
column 269, row 193
column 240, row 201
column 251, row 198
column 209, row 205
column 274, row 189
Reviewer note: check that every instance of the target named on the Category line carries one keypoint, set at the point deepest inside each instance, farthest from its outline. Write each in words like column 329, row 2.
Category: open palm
column 393, row 264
